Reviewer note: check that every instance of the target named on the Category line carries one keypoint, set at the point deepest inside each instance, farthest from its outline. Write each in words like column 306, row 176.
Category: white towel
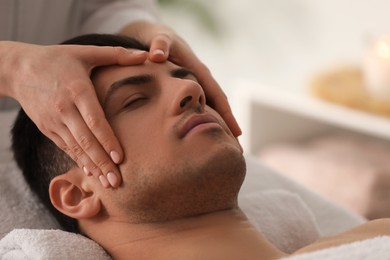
column 49, row 244
column 377, row 248
column 56, row 244
column 282, row 217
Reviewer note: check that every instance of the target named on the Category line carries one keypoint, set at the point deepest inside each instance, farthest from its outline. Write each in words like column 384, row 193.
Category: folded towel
column 49, row 244
column 375, row 248
column 330, row 217
column 282, row 217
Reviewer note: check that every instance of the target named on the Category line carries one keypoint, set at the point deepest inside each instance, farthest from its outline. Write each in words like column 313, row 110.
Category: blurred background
column 310, row 84
column 278, row 43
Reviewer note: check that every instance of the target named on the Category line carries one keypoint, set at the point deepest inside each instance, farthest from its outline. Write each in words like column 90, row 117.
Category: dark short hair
column 37, row 156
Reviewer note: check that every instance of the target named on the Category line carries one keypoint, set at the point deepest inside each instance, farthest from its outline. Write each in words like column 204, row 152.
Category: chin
column 199, row 183
column 221, row 174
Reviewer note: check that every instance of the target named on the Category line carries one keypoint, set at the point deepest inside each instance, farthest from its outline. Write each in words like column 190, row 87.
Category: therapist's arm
column 53, row 86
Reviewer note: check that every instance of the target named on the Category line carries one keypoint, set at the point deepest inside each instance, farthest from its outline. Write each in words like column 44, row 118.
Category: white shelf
column 271, row 115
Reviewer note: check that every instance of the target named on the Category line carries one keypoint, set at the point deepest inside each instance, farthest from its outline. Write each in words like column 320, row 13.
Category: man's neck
column 221, row 235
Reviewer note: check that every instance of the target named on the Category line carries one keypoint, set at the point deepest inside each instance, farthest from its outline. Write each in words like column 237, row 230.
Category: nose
column 189, row 94
column 184, row 101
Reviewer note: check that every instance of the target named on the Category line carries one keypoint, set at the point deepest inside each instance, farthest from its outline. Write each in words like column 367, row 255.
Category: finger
column 59, row 142
column 106, row 55
column 83, row 144
column 91, row 111
column 64, row 147
column 84, row 162
column 69, row 145
column 64, row 139
column 221, row 105
column 105, row 170
column 159, row 48
column 217, row 97
column 88, row 106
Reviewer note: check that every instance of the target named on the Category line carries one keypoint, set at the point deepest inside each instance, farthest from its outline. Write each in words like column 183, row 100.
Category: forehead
column 104, row 77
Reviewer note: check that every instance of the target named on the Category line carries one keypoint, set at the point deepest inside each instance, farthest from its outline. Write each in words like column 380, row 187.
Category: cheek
column 137, row 140
column 142, row 138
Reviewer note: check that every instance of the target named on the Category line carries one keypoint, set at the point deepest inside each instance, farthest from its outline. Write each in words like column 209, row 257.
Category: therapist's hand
column 52, row 84
column 166, row 44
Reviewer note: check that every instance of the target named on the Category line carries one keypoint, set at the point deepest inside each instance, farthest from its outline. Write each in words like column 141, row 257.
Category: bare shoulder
column 374, row 228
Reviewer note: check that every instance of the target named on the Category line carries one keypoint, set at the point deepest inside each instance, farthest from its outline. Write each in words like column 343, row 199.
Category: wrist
column 6, row 61
column 11, row 55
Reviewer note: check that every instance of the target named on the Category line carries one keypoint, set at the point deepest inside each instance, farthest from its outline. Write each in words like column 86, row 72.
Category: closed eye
column 135, row 102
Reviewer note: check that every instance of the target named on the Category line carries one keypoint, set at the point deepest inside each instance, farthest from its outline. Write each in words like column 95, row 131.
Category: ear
column 71, row 195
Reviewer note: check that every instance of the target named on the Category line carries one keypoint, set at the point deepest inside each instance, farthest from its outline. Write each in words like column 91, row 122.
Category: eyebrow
column 142, row 79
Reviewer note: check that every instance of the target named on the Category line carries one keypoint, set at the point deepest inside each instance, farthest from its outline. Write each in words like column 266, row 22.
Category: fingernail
column 158, row 52
column 115, row 156
column 112, row 179
column 88, row 173
column 104, row 181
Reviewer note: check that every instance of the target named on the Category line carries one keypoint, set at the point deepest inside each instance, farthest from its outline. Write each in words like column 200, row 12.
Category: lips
column 195, row 121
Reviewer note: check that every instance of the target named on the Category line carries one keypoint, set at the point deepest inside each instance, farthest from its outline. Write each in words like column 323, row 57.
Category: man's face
column 180, row 157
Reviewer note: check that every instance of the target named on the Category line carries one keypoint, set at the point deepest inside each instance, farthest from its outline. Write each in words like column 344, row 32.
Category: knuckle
column 165, row 37
column 77, row 150
column 72, row 156
column 105, row 143
column 50, row 129
column 77, row 88
column 43, row 128
column 85, row 142
column 119, row 51
column 61, row 145
column 103, row 164
column 60, row 107
column 65, row 148
column 94, row 169
column 93, row 122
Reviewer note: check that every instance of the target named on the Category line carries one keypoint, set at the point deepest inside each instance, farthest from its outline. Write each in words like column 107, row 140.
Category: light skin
column 166, row 44
column 69, row 112
column 52, row 85
column 176, row 178
column 180, row 181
